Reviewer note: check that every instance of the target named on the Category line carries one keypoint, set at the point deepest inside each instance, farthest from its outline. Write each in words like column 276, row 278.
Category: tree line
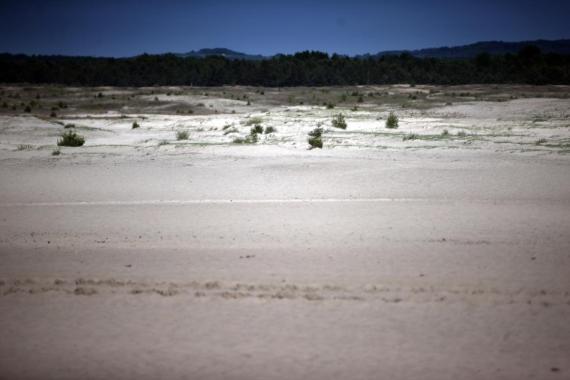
column 308, row 68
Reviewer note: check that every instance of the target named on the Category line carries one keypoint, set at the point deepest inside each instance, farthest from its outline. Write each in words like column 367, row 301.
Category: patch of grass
column 461, row 134
column 269, row 130
column 182, row 135
column 135, row 125
column 230, row 130
column 70, row 138
column 339, row 121
column 392, row 121
column 226, row 127
column 55, row 152
column 254, row 121
column 540, row 141
column 67, row 126
column 250, row 139
column 163, row 142
column 25, row 147
column 410, row 136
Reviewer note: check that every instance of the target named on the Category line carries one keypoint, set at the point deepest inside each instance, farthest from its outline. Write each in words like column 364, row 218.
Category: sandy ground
column 139, row 256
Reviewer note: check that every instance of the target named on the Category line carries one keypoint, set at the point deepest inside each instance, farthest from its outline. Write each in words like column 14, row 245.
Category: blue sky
column 131, row 27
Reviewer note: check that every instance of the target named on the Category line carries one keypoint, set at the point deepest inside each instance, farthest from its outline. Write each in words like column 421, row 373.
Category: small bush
column 182, row 135
column 330, row 106
column 317, row 132
column 70, row 138
column 25, row 147
column 540, row 141
column 269, row 130
column 461, row 134
column 55, row 152
column 258, row 129
column 339, row 122
column 135, row 125
column 411, row 136
column 445, row 133
column 53, row 114
column 250, row 139
column 67, row 126
column 315, row 142
column 28, row 109
column 392, row 121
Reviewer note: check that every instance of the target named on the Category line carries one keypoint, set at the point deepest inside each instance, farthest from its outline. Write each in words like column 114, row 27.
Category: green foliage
column 339, row 122
column 531, row 66
column 55, row 152
column 269, row 130
column 445, row 133
column 258, row 129
column 410, row 136
column 540, row 141
column 330, row 106
column 135, row 125
column 315, row 142
column 317, row 132
column 392, row 121
column 182, row 135
column 70, row 138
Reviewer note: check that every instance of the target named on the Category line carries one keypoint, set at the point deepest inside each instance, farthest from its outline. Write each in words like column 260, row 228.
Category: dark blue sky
column 131, row 27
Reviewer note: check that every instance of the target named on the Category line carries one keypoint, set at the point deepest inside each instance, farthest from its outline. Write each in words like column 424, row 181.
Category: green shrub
column 445, row 133
column 70, row 138
column 182, row 135
column 317, row 132
column 315, row 142
column 330, row 106
column 135, row 125
column 339, row 122
column 258, row 129
column 540, row 141
column 53, row 114
column 28, row 109
column 55, row 152
column 269, row 130
column 67, row 126
column 392, row 121
column 461, row 134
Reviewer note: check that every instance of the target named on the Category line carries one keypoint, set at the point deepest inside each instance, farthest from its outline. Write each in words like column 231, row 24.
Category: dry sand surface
column 437, row 250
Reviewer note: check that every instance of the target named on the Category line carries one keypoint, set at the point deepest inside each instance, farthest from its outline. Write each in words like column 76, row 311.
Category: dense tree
column 307, row 68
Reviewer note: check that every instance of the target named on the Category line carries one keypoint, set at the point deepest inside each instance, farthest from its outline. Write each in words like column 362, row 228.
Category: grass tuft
column 339, row 121
column 70, row 138
column 182, row 135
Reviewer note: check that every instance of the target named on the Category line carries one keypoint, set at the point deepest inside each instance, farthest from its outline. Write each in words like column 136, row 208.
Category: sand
column 138, row 256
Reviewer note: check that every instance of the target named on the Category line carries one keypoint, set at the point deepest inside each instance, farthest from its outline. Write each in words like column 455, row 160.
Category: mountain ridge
column 560, row 46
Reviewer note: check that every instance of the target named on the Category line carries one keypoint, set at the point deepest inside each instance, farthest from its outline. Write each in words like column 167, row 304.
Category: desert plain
column 179, row 249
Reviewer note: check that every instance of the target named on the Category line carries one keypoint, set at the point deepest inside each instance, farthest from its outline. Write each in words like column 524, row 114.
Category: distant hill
column 227, row 53
column 491, row 47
